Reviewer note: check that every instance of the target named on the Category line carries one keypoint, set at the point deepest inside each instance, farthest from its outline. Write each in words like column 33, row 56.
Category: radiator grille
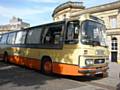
column 99, row 61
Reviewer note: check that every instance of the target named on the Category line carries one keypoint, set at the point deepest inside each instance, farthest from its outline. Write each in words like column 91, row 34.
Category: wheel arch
column 5, row 53
column 44, row 59
column 46, row 56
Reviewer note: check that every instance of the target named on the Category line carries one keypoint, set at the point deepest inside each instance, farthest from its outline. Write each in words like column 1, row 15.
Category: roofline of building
column 68, row 4
column 100, row 8
column 104, row 4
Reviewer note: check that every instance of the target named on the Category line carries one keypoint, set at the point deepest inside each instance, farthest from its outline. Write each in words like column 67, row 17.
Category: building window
column 114, row 44
column 64, row 16
column 113, row 21
column 57, row 18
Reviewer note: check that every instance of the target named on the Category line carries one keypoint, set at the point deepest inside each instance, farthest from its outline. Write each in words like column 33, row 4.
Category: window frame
column 113, row 21
column 114, row 44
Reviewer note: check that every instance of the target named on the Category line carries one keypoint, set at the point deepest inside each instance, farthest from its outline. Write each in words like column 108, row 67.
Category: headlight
column 89, row 61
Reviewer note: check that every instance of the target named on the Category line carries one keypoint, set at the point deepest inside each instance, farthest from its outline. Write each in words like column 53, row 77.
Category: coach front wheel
column 46, row 66
column 5, row 57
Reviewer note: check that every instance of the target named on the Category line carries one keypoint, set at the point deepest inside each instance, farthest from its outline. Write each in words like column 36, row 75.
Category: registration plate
column 99, row 71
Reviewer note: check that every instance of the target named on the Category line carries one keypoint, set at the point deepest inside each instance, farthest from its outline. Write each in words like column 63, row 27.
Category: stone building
column 14, row 24
column 65, row 10
column 109, row 12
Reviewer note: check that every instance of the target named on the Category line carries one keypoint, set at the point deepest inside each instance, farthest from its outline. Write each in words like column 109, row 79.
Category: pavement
column 113, row 79
column 112, row 82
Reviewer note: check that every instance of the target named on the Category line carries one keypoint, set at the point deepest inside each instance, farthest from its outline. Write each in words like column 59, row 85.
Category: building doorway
column 113, row 56
column 114, row 48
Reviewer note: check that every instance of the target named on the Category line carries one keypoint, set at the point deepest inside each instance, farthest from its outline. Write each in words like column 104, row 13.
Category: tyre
column 46, row 66
column 5, row 57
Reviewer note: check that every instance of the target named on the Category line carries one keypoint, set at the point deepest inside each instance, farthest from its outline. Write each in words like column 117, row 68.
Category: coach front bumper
column 93, row 71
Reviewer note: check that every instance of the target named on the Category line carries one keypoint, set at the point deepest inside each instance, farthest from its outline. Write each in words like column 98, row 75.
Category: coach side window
column 11, row 38
column 20, row 38
column 34, row 36
column 0, row 37
column 4, row 39
column 53, row 35
column 72, row 32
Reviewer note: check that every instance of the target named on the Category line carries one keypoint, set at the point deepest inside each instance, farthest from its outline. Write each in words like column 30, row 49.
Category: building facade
column 14, row 24
column 110, row 13
column 64, row 11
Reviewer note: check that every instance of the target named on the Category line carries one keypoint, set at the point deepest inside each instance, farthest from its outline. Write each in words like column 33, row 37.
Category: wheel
column 46, row 66
column 5, row 57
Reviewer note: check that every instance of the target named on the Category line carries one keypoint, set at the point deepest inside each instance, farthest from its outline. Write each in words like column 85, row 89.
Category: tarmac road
column 14, row 77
